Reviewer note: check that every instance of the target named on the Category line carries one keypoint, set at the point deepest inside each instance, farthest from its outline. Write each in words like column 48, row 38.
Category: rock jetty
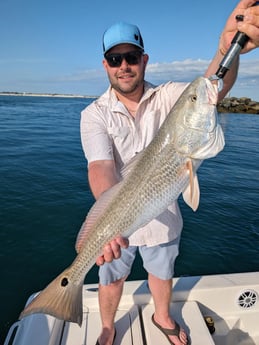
column 238, row 105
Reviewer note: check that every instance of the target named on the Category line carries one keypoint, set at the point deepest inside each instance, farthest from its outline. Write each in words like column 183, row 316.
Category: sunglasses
column 132, row 58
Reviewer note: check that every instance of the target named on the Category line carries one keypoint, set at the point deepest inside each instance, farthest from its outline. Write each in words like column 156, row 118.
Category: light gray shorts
column 158, row 260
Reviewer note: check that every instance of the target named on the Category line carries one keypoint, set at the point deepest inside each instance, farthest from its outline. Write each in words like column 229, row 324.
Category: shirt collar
column 110, row 97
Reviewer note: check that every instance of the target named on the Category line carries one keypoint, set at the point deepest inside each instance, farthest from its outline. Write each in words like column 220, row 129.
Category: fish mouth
column 212, row 91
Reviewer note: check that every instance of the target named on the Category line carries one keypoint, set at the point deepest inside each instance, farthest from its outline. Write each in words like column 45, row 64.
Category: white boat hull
column 231, row 300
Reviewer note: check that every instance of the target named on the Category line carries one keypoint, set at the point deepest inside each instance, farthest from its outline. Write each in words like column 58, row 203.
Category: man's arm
column 250, row 26
column 102, row 176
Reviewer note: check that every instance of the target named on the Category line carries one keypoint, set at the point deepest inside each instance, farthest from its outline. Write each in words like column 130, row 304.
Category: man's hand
column 249, row 25
column 112, row 250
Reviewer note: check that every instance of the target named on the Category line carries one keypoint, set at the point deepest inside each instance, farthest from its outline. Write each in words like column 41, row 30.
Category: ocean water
column 45, row 197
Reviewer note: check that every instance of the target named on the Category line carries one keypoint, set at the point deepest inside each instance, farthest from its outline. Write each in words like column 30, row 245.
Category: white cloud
column 249, row 69
column 185, row 70
column 95, row 81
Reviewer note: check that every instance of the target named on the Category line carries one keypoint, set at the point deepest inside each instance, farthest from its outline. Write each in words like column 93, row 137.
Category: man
column 114, row 128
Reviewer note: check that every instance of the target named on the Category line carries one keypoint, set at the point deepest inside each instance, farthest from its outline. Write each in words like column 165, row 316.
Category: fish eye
column 193, row 98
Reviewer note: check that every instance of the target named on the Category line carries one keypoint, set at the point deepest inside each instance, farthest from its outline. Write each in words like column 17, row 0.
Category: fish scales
column 156, row 191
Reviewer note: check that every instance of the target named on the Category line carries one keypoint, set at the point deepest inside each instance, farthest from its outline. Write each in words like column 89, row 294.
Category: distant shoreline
column 32, row 94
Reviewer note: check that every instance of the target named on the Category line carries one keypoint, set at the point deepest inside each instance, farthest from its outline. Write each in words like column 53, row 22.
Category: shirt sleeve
column 96, row 142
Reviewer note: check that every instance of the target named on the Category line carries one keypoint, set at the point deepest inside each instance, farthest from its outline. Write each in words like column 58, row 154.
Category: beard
column 126, row 88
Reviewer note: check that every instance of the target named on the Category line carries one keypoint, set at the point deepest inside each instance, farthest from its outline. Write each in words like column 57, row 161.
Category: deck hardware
column 210, row 324
column 247, row 299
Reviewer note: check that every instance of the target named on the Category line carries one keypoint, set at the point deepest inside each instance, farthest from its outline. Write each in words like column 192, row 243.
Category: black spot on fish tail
column 64, row 282
column 62, row 298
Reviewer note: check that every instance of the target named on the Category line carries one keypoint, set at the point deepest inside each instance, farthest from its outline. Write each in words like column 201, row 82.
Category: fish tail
column 62, row 298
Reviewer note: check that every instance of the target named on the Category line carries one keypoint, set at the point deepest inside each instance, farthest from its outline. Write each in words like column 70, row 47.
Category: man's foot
column 175, row 335
column 107, row 337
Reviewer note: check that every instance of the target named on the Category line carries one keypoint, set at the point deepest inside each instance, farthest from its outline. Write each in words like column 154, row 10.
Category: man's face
column 127, row 77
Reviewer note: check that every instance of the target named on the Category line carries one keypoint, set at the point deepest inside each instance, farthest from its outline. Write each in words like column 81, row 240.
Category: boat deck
column 195, row 298
column 133, row 326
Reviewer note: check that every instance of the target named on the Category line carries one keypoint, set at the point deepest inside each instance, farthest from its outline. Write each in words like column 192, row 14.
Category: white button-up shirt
column 109, row 132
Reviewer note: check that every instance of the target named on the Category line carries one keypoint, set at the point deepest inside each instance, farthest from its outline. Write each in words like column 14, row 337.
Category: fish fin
column 94, row 213
column 191, row 194
column 61, row 298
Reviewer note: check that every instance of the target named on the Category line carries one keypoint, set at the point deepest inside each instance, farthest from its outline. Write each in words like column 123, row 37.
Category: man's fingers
column 112, row 250
column 122, row 241
column 100, row 260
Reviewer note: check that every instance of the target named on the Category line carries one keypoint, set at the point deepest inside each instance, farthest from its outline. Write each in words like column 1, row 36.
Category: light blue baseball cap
column 122, row 32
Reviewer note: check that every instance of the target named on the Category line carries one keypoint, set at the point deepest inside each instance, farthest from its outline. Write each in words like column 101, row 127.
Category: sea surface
column 45, row 197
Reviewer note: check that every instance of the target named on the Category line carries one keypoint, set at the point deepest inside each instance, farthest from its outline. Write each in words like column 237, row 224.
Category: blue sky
column 55, row 47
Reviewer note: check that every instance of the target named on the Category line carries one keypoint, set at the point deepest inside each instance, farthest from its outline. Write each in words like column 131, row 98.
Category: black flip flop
column 168, row 331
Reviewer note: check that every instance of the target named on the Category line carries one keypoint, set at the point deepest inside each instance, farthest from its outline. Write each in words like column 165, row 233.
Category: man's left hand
column 112, row 250
column 249, row 26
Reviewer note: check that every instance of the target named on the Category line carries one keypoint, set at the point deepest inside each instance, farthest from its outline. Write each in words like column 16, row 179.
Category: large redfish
column 151, row 182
